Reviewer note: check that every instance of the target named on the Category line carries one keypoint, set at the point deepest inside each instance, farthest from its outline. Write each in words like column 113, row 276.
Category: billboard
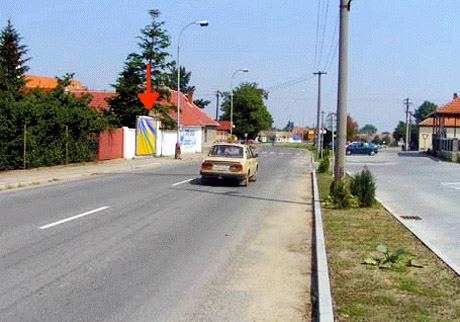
column 146, row 133
column 188, row 137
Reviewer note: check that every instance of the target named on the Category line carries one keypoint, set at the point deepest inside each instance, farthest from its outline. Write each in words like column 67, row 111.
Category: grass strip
column 368, row 293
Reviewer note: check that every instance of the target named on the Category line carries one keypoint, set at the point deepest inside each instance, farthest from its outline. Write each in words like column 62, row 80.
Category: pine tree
column 12, row 59
column 184, row 79
column 154, row 42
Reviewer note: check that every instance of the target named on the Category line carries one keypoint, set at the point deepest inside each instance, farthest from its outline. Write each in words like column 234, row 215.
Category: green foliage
column 184, row 79
column 126, row 105
column 324, row 164
column 368, row 129
column 391, row 259
column 50, row 121
column 201, row 103
column 250, row 115
column 340, row 194
column 424, row 110
column 363, row 187
column 12, row 60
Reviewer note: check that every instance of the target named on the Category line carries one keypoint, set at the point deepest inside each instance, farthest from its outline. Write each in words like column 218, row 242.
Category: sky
column 397, row 49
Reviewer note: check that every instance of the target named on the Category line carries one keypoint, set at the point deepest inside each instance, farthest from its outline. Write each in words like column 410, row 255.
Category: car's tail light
column 236, row 167
column 206, row 165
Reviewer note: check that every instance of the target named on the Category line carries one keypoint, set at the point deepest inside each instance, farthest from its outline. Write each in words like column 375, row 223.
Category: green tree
column 368, row 129
column 12, row 68
column 126, row 104
column 201, row 103
column 424, row 110
column 400, row 132
column 185, row 76
column 12, row 59
column 250, row 115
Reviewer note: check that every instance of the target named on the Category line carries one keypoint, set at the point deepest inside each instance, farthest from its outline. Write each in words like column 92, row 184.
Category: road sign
column 425, row 136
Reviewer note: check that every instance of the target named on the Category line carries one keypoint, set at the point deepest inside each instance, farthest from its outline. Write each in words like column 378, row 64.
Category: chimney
column 190, row 97
column 455, row 96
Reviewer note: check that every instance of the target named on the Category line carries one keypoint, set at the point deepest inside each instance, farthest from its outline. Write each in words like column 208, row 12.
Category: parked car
column 233, row 161
column 362, row 148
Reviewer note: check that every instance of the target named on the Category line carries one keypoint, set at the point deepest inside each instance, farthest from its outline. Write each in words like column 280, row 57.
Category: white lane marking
column 272, row 152
column 178, row 183
column 453, row 185
column 73, row 217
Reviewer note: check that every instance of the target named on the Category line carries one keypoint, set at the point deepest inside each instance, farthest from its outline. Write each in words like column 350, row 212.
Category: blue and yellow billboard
column 146, row 132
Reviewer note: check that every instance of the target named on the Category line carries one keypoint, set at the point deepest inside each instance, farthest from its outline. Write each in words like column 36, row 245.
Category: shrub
column 340, row 194
column 363, row 187
column 323, row 165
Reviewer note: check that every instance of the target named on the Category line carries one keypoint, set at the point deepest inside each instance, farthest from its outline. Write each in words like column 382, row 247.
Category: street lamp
column 244, row 70
column 202, row 23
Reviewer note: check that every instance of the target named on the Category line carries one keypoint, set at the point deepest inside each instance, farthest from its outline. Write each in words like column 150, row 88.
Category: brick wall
column 110, row 145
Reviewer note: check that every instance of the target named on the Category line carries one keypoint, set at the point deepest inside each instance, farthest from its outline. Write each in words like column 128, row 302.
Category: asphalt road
column 423, row 193
column 132, row 246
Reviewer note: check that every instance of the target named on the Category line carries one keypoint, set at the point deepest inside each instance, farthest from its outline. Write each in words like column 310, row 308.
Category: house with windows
column 440, row 131
column 197, row 128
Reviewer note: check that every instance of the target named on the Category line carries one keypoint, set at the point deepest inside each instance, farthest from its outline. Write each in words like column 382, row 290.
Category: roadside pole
column 318, row 114
column 407, row 103
column 339, row 170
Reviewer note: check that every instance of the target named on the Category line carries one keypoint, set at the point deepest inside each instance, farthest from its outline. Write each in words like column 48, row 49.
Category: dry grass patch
column 398, row 293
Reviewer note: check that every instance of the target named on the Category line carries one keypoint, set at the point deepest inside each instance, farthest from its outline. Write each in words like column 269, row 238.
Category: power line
column 334, row 44
column 289, row 83
column 324, row 32
column 317, row 32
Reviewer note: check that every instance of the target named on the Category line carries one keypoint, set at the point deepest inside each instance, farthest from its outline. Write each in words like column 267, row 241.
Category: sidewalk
column 39, row 176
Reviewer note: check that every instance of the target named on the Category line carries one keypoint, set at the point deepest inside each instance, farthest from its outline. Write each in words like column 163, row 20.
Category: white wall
column 129, row 143
column 166, row 142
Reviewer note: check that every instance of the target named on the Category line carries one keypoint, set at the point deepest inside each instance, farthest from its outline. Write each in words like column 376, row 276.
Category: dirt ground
column 277, row 269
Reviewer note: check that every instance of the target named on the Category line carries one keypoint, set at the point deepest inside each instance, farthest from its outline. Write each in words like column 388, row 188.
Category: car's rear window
column 227, row 151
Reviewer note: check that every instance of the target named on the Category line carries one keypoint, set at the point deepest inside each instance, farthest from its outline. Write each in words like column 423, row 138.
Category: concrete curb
column 325, row 311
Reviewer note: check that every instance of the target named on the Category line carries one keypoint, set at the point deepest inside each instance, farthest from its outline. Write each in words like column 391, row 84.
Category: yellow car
column 230, row 161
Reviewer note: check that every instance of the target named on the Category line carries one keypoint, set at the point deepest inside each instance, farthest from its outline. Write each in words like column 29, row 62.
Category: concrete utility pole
column 339, row 170
column 323, row 129
column 407, row 102
column 318, row 114
column 217, row 105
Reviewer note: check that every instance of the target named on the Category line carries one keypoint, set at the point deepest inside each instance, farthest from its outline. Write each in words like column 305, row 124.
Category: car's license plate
column 221, row 167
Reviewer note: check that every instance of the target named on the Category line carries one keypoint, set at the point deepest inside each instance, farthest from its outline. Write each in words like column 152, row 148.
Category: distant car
column 362, row 148
column 233, row 161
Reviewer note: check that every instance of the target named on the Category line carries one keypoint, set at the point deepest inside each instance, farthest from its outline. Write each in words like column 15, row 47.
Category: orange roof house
column 43, row 82
column 191, row 115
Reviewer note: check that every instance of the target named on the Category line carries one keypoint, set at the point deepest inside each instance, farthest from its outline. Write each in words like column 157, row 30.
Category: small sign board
column 425, row 136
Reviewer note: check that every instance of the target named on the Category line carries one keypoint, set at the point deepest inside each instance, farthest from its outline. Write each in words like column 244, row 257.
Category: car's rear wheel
column 254, row 176
column 245, row 180
column 348, row 152
column 372, row 153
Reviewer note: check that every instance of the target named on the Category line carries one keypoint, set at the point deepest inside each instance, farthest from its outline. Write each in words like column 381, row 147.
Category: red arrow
column 148, row 98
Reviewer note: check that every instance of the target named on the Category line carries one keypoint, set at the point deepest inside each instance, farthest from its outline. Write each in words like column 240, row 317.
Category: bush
column 340, row 194
column 363, row 187
column 323, row 165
